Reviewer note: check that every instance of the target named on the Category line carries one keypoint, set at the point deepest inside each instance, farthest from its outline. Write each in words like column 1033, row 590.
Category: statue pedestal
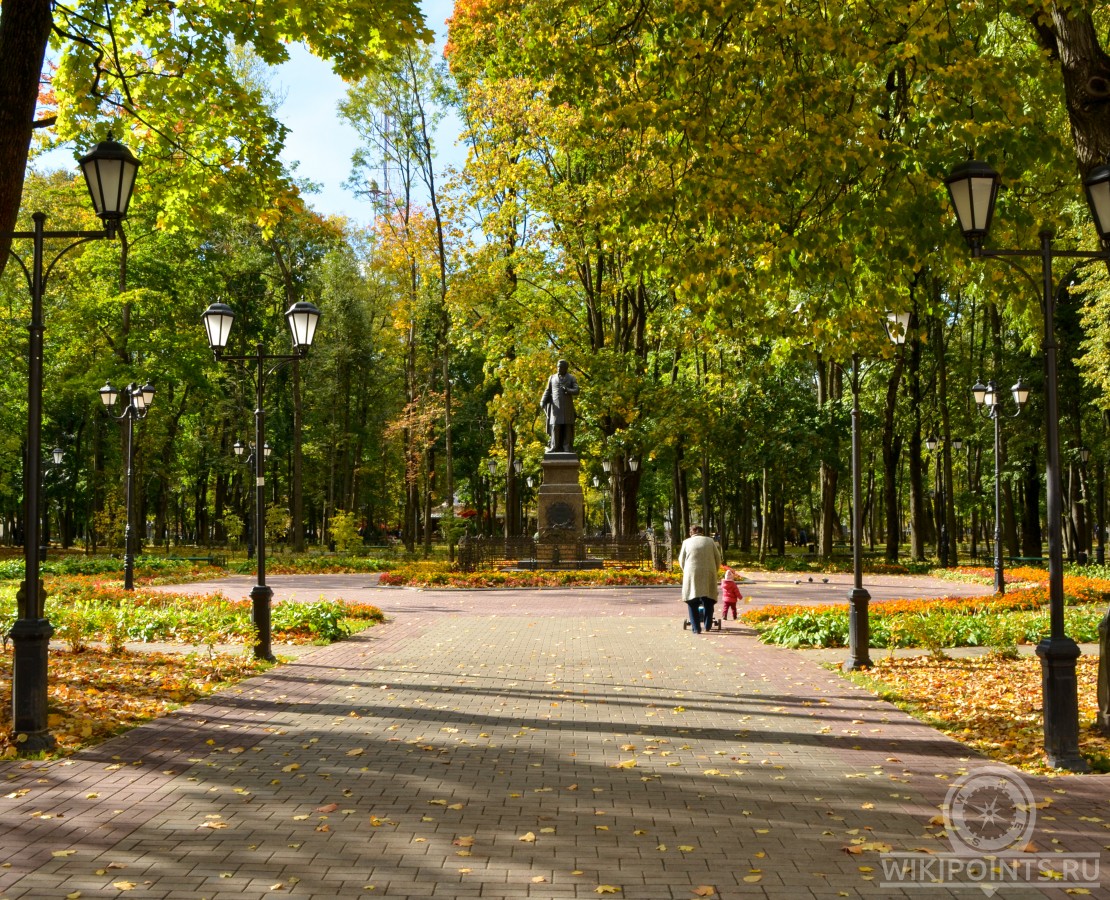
column 561, row 512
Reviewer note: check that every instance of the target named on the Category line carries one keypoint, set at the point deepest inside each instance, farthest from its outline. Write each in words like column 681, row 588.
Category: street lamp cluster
column 136, row 404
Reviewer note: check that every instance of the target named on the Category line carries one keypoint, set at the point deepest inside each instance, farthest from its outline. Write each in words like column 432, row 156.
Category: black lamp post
column 136, row 404
column 859, row 626
column 109, row 172
column 302, row 319
column 973, row 188
column 989, row 403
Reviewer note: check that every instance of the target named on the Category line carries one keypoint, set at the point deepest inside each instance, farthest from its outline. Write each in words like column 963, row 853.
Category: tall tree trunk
column 829, row 471
column 1031, row 518
column 948, row 509
column 892, row 447
column 918, row 516
column 24, row 31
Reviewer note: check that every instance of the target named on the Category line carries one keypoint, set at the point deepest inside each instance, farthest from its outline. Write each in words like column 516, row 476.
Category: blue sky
column 321, row 142
column 318, row 139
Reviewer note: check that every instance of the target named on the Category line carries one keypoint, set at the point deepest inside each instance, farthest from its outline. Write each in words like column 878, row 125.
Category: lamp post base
column 30, row 643
column 1061, row 703
column 260, row 617
column 859, row 631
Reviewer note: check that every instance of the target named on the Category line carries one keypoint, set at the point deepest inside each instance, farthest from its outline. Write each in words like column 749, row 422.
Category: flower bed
column 1018, row 617
column 439, row 575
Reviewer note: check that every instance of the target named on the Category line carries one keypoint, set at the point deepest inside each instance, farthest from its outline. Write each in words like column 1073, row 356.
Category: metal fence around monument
column 478, row 553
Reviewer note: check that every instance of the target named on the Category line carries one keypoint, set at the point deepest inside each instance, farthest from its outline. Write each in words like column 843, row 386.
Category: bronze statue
column 558, row 404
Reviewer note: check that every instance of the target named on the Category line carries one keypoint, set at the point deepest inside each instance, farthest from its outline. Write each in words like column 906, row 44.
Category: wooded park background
column 707, row 208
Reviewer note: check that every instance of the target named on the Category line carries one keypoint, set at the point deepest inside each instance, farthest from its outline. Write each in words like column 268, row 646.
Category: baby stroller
column 715, row 623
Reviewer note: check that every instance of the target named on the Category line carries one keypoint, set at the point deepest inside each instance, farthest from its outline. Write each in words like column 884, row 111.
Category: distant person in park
column 558, row 405
column 700, row 560
column 730, row 587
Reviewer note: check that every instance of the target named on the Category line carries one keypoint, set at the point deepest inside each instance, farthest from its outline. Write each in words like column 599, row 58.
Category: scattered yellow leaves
column 705, row 890
column 528, row 838
column 607, row 889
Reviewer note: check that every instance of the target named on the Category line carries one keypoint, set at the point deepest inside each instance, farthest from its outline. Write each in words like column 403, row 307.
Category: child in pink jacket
column 730, row 590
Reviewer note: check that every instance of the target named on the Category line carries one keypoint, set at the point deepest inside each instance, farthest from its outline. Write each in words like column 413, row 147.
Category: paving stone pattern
column 508, row 745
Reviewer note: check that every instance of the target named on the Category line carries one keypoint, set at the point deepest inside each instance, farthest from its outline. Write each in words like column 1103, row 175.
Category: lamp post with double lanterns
column 973, row 188
column 302, row 319
column 989, row 403
column 136, row 404
column 109, row 171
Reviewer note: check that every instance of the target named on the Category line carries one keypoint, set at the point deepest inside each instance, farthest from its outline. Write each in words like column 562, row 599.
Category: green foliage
column 83, row 610
column 933, row 630
column 278, row 521
column 325, row 620
column 815, row 629
column 344, row 531
column 234, row 526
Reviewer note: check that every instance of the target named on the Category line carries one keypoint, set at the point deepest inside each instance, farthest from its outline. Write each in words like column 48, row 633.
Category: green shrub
column 344, row 532
column 824, row 628
column 324, row 620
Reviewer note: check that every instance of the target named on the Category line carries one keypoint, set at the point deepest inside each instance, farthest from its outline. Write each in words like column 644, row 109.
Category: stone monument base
column 561, row 510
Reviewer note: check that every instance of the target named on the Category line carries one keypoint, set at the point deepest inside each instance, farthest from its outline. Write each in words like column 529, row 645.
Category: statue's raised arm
column 558, row 406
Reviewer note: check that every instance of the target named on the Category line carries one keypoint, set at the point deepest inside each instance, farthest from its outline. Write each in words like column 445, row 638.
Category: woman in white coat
column 700, row 560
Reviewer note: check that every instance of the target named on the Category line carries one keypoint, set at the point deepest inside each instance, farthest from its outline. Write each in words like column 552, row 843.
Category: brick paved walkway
column 524, row 744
